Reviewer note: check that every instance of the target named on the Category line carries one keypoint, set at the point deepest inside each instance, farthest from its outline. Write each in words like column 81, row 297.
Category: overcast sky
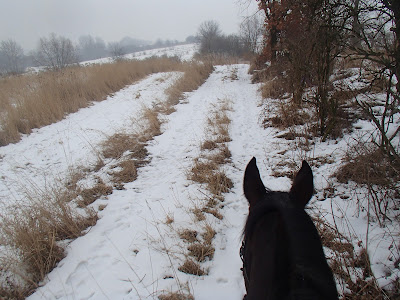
column 26, row 21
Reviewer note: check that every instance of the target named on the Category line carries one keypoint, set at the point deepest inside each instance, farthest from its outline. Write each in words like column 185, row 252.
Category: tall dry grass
column 195, row 74
column 33, row 232
column 35, row 100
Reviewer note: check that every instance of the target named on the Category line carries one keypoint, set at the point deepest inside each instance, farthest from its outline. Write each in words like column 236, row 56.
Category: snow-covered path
column 130, row 253
column 48, row 153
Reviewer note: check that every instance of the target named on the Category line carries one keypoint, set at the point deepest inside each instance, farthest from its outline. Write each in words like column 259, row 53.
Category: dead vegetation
column 37, row 231
column 35, row 100
column 207, row 170
column 351, row 267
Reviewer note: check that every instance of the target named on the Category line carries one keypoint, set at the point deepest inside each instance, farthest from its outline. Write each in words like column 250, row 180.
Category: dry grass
column 176, row 296
column 34, row 230
column 195, row 74
column 202, row 171
column 191, row 267
column 128, row 173
column 208, row 234
column 351, row 269
column 201, row 251
column 118, row 144
column 273, row 88
column 365, row 163
column 189, row 235
column 36, row 100
column 94, row 193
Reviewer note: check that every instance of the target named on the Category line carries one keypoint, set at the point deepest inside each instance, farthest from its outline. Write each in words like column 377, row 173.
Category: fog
column 25, row 21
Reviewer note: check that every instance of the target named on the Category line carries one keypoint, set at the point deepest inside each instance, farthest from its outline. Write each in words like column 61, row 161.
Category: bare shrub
column 370, row 167
column 366, row 163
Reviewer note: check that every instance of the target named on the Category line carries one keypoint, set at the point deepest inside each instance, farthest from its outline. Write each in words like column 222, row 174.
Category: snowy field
column 131, row 253
column 183, row 52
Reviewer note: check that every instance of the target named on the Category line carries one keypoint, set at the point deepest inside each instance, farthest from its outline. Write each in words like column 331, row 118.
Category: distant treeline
column 57, row 51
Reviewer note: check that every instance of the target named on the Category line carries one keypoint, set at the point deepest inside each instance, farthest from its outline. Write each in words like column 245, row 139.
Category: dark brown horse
column 281, row 251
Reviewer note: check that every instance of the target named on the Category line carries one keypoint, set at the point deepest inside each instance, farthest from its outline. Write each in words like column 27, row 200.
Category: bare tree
column 208, row 33
column 379, row 44
column 91, row 48
column 13, row 55
column 116, row 50
column 251, row 31
column 55, row 52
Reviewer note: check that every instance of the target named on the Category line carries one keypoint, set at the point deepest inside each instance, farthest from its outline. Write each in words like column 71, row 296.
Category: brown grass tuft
column 219, row 183
column 191, row 267
column 202, row 171
column 208, row 234
column 201, row 251
column 34, row 230
column 128, row 173
column 176, row 296
column 118, row 144
column 94, row 193
column 188, row 235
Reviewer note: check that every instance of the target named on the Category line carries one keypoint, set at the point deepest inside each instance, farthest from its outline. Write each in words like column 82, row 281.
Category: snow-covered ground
column 183, row 52
column 131, row 253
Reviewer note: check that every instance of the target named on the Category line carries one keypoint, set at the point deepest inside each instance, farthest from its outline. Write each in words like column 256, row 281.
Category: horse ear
column 303, row 186
column 253, row 186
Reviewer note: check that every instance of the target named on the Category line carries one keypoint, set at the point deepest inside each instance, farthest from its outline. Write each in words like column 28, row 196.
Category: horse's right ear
column 303, row 186
column 253, row 186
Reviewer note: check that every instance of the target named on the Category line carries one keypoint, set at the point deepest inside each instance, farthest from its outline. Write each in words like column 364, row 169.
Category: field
column 137, row 192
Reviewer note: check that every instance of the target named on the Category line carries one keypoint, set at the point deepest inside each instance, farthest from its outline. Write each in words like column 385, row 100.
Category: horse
column 281, row 251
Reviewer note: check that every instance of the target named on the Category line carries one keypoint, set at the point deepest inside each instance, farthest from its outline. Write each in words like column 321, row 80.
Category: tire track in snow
column 50, row 152
column 123, row 253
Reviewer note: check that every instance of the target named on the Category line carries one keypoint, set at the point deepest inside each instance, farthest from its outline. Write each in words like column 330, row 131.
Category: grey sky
column 26, row 21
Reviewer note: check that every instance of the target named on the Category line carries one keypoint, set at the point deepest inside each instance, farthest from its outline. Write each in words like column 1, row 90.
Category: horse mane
column 304, row 242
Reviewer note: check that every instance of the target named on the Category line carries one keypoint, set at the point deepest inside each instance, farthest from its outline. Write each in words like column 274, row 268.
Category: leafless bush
column 55, row 52
column 366, row 165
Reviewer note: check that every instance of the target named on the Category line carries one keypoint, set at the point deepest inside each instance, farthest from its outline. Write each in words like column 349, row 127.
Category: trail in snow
column 48, row 153
column 130, row 253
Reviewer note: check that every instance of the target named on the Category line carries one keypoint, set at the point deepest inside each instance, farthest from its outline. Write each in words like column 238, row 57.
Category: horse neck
column 269, row 271
column 285, row 237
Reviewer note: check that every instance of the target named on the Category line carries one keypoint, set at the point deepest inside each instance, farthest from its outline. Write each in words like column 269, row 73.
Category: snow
column 183, row 52
column 50, row 152
column 131, row 253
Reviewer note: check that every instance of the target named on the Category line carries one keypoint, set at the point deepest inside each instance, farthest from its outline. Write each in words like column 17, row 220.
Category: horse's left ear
column 253, row 187
column 303, row 186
